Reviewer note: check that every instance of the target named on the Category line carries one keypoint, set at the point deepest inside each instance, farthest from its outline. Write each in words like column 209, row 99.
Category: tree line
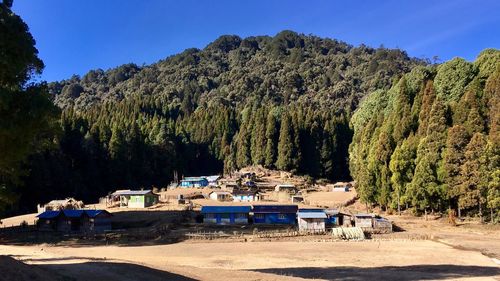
column 431, row 142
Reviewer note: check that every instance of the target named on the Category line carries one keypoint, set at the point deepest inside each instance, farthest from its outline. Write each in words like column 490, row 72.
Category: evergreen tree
column 286, row 145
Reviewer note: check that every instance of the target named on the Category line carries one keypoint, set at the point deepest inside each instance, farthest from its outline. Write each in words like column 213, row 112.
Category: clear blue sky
column 76, row 36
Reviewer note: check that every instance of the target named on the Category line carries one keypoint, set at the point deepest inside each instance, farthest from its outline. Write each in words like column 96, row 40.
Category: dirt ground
column 367, row 260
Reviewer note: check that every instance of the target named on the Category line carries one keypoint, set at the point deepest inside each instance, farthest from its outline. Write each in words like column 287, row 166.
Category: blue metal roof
column 48, row 215
column 71, row 213
column 311, row 210
column 275, row 208
column 225, row 209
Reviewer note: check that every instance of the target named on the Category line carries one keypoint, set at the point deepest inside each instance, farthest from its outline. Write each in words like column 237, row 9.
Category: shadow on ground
column 110, row 271
column 409, row 273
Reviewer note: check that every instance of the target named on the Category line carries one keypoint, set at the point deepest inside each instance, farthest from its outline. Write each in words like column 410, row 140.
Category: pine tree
column 286, row 145
column 473, row 175
column 272, row 140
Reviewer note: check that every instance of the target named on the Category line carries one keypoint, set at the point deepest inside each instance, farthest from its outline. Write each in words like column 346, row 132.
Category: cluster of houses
column 305, row 219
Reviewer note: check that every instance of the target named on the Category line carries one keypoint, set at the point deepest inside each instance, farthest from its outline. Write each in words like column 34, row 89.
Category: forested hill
column 283, row 102
column 432, row 141
column 263, row 70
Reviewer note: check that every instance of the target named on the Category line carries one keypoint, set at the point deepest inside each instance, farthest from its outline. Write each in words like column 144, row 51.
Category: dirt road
column 368, row 260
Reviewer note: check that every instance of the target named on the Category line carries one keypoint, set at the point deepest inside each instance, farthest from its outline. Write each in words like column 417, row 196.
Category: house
column 136, row 198
column 220, row 196
column 341, row 186
column 66, row 204
column 336, row 218
column 274, row 214
column 80, row 221
column 194, row 182
column 213, row 180
column 245, row 196
column 297, row 199
column 372, row 223
column 225, row 214
column 311, row 220
column 285, row 188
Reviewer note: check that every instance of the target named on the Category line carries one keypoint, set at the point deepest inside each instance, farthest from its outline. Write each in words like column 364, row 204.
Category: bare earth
column 368, row 260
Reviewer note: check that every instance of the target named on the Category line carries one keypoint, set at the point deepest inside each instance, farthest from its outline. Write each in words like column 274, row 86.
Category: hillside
column 282, row 102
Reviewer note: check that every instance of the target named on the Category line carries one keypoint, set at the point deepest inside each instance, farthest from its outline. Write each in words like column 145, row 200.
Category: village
column 252, row 200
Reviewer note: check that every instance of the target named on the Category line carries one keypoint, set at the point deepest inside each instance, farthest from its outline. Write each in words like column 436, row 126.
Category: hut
column 285, row 188
column 311, row 220
column 65, row 204
column 341, row 186
column 245, row 196
column 213, row 180
column 79, row 221
column 194, row 182
column 136, row 198
column 372, row 223
column 275, row 214
column 336, row 218
column 225, row 214
column 220, row 196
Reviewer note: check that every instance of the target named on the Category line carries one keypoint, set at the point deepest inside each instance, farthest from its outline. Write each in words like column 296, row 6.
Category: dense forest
column 282, row 102
column 432, row 141
column 413, row 134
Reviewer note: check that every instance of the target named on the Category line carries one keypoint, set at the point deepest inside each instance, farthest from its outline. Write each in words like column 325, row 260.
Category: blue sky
column 76, row 36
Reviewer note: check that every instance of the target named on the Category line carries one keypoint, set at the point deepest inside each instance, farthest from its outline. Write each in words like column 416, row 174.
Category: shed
column 220, row 196
column 311, row 220
column 275, row 214
column 136, row 198
column 372, row 223
column 245, row 196
column 213, row 180
column 341, row 186
column 225, row 214
column 337, row 218
column 93, row 221
column 285, row 188
column 194, row 182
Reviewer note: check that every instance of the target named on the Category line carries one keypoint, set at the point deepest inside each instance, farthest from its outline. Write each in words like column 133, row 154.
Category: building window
column 241, row 215
column 259, row 216
column 281, row 216
column 209, row 216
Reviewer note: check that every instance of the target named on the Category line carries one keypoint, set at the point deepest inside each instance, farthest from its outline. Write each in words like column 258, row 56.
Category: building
column 213, row 180
column 285, row 188
column 79, row 221
column 311, row 220
column 275, row 214
column 336, row 218
column 245, row 196
column 372, row 223
column 341, row 186
column 225, row 214
column 56, row 205
column 136, row 198
column 220, row 196
column 194, row 182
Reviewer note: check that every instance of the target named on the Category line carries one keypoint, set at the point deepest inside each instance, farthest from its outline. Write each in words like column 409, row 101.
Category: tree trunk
column 492, row 220
column 459, row 212
column 425, row 212
column 399, row 205
column 480, row 212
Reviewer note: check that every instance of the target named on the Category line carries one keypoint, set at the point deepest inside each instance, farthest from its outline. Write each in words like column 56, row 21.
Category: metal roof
column 71, row 213
column 212, row 178
column 225, row 209
column 132, row 192
column 275, row 208
column 48, row 215
column 194, row 179
column 311, row 215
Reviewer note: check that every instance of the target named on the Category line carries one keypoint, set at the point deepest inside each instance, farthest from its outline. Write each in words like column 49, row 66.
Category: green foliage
column 425, row 123
column 452, row 77
column 487, row 62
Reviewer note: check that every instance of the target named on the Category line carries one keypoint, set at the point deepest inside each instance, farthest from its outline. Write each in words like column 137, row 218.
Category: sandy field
column 366, row 260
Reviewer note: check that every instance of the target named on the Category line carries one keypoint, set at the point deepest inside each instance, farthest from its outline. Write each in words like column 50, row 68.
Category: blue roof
column 225, row 209
column 48, row 215
column 275, row 208
column 311, row 215
column 71, row 213
column 311, row 210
